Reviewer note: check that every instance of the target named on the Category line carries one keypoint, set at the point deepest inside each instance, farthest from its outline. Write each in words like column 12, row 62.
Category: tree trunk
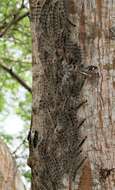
column 68, row 36
column 9, row 175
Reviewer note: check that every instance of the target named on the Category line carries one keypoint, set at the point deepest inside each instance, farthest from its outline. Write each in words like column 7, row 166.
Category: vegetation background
column 15, row 69
column 97, row 36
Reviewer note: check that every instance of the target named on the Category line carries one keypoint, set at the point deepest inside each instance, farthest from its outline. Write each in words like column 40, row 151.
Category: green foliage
column 15, row 48
column 24, row 107
column 15, row 54
column 2, row 101
column 27, row 174
column 6, row 137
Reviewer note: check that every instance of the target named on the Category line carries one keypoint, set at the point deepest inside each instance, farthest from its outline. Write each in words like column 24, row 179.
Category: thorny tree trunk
column 68, row 36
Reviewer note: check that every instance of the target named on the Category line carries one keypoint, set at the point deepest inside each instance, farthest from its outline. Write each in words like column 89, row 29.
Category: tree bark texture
column 68, row 36
column 99, row 43
column 9, row 175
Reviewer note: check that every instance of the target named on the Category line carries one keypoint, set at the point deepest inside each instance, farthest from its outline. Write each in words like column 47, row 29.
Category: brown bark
column 59, row 72
column 100, row 113
column 85, row 180
column 9, row 175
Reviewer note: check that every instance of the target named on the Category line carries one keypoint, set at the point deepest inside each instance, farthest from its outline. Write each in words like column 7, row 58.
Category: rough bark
column 67, row 37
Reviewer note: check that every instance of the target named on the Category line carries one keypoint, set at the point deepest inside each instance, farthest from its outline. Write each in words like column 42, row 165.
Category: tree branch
column 16, row 77
column 16, row 19
column 19, row 146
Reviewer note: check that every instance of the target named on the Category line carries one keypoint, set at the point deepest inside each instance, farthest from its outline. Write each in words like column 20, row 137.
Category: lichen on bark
column 59, row 74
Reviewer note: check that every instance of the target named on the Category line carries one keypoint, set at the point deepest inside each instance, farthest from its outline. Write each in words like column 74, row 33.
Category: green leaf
column 2, row 102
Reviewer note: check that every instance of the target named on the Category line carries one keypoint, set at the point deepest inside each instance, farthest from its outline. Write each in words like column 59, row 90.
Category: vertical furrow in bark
column 59, row 74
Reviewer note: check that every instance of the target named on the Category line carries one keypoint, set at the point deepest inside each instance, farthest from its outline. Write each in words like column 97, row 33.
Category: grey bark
column 65, row 40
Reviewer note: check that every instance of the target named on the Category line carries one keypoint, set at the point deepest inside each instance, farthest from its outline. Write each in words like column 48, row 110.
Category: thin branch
column 13, row 22
column 16, row 77
column 20, row 145
column 22, row 4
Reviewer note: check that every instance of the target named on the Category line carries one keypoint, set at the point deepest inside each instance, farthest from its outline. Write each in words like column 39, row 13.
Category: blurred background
column 15, row 81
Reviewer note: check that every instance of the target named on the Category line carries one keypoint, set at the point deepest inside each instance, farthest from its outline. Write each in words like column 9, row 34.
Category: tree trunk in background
column 9, row 175
column 61, row 33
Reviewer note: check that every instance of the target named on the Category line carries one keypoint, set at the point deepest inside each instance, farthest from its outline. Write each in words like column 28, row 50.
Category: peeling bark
column 85, row 180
